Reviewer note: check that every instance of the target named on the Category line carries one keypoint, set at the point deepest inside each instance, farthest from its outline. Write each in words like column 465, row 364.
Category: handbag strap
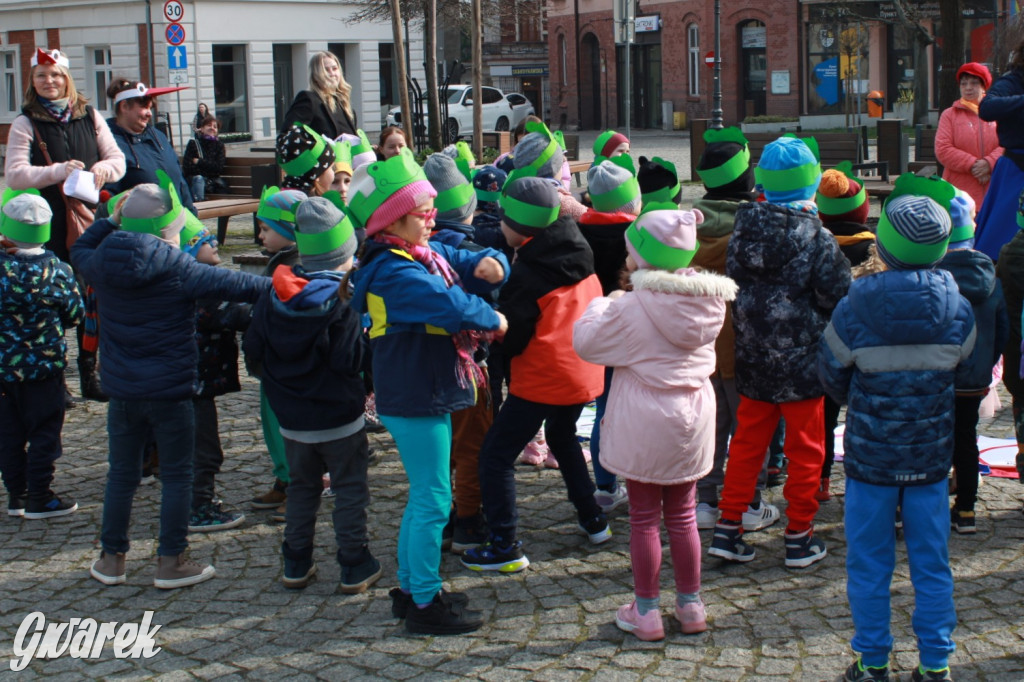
column 39, row 142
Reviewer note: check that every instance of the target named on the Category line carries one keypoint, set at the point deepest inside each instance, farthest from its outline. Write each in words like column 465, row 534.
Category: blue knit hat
column 788, row 171
column 277, row 210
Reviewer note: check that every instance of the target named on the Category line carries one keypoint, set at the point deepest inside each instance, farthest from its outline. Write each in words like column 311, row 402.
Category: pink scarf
column 466, row 342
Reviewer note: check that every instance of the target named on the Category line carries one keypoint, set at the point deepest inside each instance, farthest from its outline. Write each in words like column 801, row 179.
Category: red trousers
column 804, row 447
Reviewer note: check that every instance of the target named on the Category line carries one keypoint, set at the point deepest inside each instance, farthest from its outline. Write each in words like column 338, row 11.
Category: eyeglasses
column 426, row 215
column 47, row 76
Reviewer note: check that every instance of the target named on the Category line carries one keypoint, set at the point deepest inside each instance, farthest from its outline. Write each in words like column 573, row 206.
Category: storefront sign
column 530, row 70
column 648, row 23
column 827, row 74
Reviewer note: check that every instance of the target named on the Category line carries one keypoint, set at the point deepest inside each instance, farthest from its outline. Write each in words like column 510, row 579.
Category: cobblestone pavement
column 551, row 622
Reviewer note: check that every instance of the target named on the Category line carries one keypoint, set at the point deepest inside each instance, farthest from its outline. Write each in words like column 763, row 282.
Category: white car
column 521, row 108
column 498, row 114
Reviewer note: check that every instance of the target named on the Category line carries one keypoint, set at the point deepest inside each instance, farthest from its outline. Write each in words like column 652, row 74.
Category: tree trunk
column 920, row 80
column 403, row 79
column 478, row 92
column 433, row 101
column 953, row 53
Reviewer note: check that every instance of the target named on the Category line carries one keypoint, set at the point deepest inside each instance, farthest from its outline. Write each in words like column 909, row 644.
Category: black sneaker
column 48, row 505
column 356, row 579
column 469, row 533
column 496, row 555
column 922, row 675
column 803, row 549
column 858, row 672
column 210, row 517
column 962, row 521
column 597, row 529
column 401, row 601
column 16, row 505
column 728, row 543
column 441, row 617
column 299, row 567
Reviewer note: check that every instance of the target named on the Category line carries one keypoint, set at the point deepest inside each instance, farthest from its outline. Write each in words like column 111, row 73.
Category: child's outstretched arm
column 467, row 263
column 413, row 296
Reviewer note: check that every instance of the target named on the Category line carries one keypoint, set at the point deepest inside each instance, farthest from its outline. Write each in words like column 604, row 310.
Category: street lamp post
column 716, row 101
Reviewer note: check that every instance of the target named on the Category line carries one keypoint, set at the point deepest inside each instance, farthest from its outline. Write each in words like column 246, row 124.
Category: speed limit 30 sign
column 174, row 11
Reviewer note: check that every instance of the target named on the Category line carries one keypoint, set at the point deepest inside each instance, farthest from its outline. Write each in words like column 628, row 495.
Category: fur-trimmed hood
column 687, row 282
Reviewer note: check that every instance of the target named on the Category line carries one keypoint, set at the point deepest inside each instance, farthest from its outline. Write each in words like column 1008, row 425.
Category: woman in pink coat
column 966, row 146
column 659, row 429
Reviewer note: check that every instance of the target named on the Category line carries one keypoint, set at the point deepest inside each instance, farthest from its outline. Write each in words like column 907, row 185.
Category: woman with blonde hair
column 326, row 107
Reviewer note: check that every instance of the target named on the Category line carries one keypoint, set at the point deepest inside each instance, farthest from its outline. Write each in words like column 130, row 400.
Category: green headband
column 913, row 253
column 113, row 201
column 961, row 234
column 327, row 241
column 789, row 179
column 934, row 187
column 665, row 193
column 308, row 159
column 728, row 171
column 17, row 230
column 559, row 138
column 268, row 212
column 343, row 154
column 193, row 227
column 656, row 253
column 730, row 134
column 528, row 214
column 388, row 177
column 155, row 226
column 364, row 144
column 453, row 197
column 616, row 198
column 841, row 205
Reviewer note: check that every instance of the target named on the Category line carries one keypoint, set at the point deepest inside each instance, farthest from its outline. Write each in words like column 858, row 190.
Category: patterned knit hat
column 456, row 199
column 788, row 171
column 488, row 181
column 304, row 155
column 841, row 198
column 25, row 218
column 529, row 204
column 665, row 240
column 613, row 188
column 277, row 210
column 385, row 191
column 658, row 181
column 913, row 232
column 724, row 165
column 324, row 235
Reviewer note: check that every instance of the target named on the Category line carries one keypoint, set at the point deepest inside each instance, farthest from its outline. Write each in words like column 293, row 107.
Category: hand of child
column 115, row 217
column 489, row 270
column 618, row 293
column 502, row 327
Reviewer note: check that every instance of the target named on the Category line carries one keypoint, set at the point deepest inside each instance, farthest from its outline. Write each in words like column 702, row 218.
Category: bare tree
column 433, row 102
column 477, row 31
column 396, row 31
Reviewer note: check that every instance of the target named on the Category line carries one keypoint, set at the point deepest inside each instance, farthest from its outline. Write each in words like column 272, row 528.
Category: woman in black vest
column 57, row 133
column 326, row 107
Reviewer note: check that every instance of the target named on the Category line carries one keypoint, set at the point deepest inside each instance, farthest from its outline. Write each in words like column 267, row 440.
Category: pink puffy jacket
column 660, row 338
column 962, row 139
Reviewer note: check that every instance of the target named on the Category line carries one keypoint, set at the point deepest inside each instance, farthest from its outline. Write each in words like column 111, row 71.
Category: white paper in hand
column 81, row 184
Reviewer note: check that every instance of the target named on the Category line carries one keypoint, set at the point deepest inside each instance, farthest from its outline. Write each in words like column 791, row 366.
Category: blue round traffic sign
column 175, row 34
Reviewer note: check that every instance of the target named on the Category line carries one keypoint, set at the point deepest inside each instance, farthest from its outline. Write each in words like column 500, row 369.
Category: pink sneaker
column 550, row 462
column 586, row 455
column 535, row 453
column 692, row 618
column 647, row 627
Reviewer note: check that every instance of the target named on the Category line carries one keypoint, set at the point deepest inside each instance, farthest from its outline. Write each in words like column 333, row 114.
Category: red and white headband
column 140, row 90
column 52, row 57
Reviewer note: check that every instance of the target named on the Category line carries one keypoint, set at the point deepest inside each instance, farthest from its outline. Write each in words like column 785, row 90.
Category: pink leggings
column 647, row 501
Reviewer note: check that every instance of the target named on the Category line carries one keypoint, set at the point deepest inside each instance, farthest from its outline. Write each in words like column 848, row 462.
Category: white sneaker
column 707, row 516
column 762, row 517
column 608, row 501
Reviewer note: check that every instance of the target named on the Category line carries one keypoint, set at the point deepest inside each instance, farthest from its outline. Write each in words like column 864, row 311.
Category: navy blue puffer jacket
column 896, row 347
column 791, row 275
column 146, row 292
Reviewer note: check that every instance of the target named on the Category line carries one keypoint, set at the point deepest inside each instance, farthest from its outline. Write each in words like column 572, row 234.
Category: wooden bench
column 924, row 149
column 246, row 176
column 833, row 148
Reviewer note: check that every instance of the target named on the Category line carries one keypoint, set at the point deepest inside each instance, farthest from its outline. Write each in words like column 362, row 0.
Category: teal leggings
column 424, row 445
column 273, row 438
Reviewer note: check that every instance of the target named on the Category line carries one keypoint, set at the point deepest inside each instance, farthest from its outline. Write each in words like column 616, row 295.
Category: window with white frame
column 693, row 38
column 100, row 72
column 10, row 84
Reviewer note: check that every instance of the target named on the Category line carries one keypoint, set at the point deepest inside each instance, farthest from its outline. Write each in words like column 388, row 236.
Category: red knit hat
column 977, row 70
column 836, row 185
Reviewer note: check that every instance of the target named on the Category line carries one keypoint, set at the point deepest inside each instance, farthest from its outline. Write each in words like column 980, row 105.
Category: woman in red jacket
column 965, row 145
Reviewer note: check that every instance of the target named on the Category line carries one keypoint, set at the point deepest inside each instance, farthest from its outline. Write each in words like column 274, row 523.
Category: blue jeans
column 198, row 186
column 871, row 559
column 424, row 446
column 129, row 422
column 602, row 477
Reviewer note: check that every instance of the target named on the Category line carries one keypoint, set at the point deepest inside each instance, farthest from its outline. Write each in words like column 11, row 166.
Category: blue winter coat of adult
column 791, row 275
column 148, row 291
column 894, row 351
column 1004, row 104
column 975, row 276
column 144, row 155
column 414, row 313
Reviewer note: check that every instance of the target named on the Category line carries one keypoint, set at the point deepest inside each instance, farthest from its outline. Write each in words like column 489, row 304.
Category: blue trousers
column 871, row 559
column 172, row 424
column 602, row 477
column 31, row 419
column 424, row 446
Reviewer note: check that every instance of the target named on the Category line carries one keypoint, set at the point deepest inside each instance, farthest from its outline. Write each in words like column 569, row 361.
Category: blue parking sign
column 177, row 57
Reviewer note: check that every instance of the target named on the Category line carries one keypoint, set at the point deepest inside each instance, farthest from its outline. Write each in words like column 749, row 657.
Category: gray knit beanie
column 529, row 150
column 456, row 199
column 314, row 218
column 529, row 205
column 602, row 182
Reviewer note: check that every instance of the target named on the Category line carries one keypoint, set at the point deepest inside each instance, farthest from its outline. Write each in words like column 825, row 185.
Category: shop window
column 693, row 40
column 388, row 73
column 230, row 87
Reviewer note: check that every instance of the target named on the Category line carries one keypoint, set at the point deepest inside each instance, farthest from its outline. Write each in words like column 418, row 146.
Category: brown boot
column 109, row 569
column 278, row 515
column 273, row 498
column 180, row 571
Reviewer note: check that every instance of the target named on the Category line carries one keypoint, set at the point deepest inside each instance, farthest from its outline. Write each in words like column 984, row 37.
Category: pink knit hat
column 664, row 239
column 385, row 191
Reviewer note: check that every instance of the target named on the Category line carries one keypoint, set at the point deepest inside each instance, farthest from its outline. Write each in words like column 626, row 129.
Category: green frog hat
column 25, row 218
column 385, row 191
